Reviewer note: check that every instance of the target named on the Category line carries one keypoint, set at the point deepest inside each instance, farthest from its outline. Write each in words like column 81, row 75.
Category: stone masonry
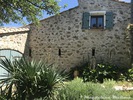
column 61, row 40
column 14, row 39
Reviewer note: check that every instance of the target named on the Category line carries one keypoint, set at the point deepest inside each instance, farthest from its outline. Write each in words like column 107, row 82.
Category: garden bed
column 77, row 89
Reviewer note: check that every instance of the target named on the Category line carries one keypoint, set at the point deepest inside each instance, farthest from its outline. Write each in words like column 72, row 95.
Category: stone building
column 94, row 31
column 13, row 44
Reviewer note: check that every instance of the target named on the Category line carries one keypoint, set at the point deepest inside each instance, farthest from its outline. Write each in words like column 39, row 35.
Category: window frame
column 97, row 18
column 98, row 13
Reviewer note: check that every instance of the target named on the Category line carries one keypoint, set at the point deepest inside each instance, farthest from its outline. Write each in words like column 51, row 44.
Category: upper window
column 97, row 20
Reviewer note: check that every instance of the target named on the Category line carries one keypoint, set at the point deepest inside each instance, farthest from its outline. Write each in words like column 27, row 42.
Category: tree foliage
column 16, row 10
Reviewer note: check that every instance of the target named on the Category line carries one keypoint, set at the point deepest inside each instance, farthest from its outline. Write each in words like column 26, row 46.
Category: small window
column 93, row 51
column 59, row 52
column 30, row 52
column 97, row 22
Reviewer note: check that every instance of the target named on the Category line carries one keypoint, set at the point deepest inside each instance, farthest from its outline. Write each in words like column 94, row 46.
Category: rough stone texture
column 15, row 39
column 65, row 32
column 12, row 30
column 130, row 30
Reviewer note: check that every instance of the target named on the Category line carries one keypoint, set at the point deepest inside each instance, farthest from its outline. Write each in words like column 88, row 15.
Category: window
column 97, row 20
column 59, row 52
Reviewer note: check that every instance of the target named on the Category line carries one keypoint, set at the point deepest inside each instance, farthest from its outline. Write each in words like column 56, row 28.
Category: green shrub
column 78, row 90
column 100, row 91
column 28, row 80
column 126, row 94
column 104, row 71
column 73, row 90
column 109, row 83
column 130, row 74
column 121, row 95
column 2, row 97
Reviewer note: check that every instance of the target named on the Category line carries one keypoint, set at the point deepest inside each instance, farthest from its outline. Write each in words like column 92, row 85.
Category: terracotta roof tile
column 12, row 30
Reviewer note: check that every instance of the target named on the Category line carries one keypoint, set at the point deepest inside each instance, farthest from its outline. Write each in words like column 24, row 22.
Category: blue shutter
column 109, row 20
column 85, row 20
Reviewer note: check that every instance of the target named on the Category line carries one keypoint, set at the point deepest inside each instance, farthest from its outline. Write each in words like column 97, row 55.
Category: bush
column 78, row 90
column 104, row 71
column 2, row 97
column 130, row 74
column 73, row 90
column 109, row 83
column 28, row 80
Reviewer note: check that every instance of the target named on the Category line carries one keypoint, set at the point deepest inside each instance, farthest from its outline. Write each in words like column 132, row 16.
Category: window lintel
column 97, row 12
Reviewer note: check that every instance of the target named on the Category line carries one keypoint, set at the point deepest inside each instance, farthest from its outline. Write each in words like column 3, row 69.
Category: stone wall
column 63, row 33
column 14, row 39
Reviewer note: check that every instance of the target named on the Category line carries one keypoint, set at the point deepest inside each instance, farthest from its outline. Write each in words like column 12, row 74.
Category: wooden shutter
column 85, row 20
column 109, row 20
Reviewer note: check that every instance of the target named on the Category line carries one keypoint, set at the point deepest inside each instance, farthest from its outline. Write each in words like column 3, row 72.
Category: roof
column 12, row 30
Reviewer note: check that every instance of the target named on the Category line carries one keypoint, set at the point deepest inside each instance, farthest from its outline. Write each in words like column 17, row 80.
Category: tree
column 16, row 10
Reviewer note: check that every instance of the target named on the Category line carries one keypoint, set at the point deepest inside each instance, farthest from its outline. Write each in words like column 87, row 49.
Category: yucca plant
column 29, row 80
